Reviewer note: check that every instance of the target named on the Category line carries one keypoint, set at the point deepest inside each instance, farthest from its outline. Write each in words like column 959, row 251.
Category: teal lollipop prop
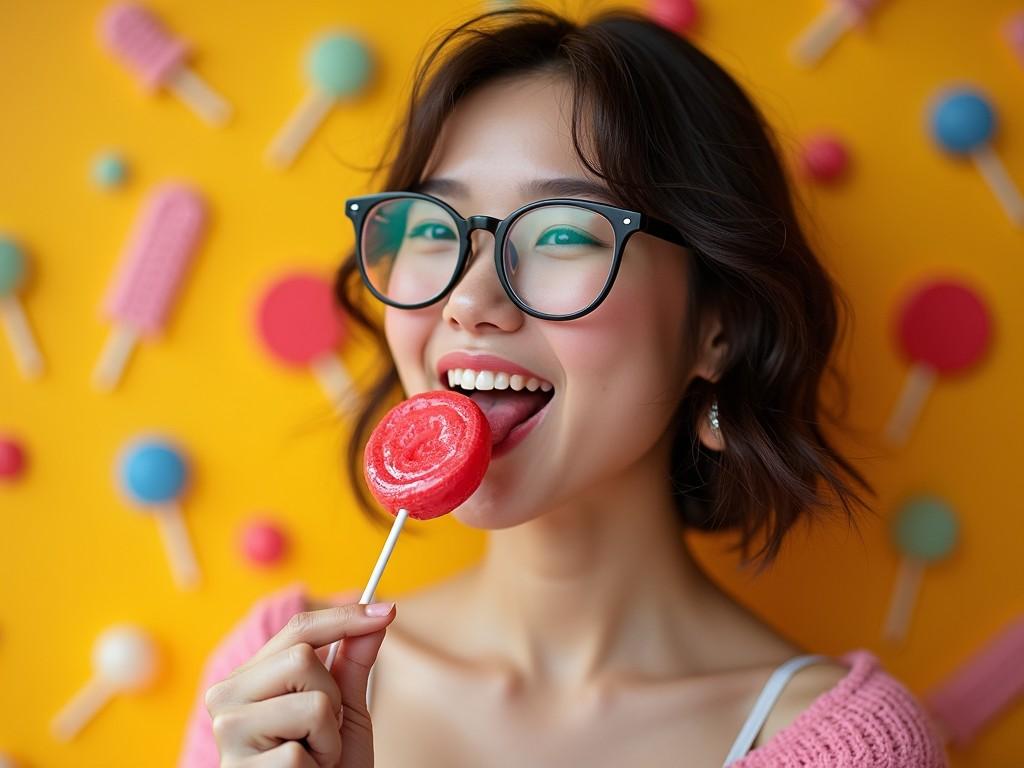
column 338, row 66
column 13, row 268
column 925, row 530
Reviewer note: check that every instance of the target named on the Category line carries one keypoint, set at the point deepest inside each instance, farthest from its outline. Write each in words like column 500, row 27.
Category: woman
column 649, row 352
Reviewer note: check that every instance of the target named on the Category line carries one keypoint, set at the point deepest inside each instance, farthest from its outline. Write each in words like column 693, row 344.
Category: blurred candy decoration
column 109, row 170
column 13, row 271
column 12, row 458
column 824, row 158
column 263, row 542
column 838, row 18
column 678, row 15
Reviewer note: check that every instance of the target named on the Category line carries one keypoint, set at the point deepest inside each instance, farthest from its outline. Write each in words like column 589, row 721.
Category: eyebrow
column 558, row 187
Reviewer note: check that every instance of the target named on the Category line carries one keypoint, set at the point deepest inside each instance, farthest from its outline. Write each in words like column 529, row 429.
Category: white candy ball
column 126, row 656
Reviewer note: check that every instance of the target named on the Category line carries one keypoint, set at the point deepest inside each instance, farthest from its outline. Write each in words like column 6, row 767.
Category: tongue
column 505, row 409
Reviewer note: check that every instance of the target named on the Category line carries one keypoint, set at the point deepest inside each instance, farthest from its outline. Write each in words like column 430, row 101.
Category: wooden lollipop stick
column 378, row 571
column 299, row 128
column 904, row 595
column 823, row 33
column 194, row 91
column 335, row 382
column 994, row 172
column 114, row 357
column 919, row 383
column 26, row 353
column 178, row 545
column 82, row 708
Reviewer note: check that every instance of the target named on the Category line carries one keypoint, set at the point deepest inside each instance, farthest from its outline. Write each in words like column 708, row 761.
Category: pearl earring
column 713, row 415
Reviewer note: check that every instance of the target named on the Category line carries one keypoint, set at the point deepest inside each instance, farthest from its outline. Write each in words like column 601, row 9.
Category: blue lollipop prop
column 339, row 66
column 13, row 268
column 153, row 473
column 963, row 122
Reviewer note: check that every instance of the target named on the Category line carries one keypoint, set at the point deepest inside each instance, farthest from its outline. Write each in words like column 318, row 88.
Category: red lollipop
column 944, row 327
column 301, row 326
column 427, row 455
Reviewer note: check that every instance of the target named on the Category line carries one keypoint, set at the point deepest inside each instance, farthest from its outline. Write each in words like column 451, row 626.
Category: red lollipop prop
column 426, row 457
column 301, row 326
column 944, row 327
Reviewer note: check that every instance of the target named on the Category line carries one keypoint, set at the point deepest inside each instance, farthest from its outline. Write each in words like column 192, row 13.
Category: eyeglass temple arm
column 663, row 230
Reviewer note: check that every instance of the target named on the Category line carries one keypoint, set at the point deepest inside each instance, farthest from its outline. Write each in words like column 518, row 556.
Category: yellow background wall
column 74, row 559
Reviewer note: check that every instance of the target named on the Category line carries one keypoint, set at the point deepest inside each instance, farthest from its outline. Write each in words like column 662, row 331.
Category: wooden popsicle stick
column 378, row 571
column 904, row 596
column 994, row 172
column 915, row 391
column 335, row 382
column 299, row 128
column 114, row 357
column 26, row 351
column 197, row 94
column 85, row 705
column 182, row 557
column 823, row 33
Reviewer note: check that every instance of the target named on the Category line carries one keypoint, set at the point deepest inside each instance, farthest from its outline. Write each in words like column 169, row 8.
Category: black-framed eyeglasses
column 556, row 258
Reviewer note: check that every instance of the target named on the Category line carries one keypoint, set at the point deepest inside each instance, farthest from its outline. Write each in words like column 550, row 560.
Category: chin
column 489, row 512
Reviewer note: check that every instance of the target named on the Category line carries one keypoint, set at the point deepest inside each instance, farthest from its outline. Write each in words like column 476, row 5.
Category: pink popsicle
column 143, row 44
column 301, row 326
column 825, row 31
column 985, row 685
column 162, row 244
column 944, row 327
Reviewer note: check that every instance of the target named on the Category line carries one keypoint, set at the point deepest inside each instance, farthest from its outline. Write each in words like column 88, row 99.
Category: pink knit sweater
column 868, row 720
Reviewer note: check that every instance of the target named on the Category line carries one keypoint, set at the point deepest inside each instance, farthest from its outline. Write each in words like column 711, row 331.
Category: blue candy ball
column 12, row 266
column 339, row 64
column 153, row 472
column 963, row 121
column 926, row 528
column 109, row 170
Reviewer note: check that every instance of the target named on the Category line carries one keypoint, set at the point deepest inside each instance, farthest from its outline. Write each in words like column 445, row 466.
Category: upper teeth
column 467, row 378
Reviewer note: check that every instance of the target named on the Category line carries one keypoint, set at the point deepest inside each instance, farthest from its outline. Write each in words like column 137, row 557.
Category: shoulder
column 852, row 713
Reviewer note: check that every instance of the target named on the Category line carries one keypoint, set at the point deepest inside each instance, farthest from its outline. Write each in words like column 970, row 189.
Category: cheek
column 407, row 333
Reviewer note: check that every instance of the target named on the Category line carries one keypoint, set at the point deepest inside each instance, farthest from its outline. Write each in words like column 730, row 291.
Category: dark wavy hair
column 673, row 135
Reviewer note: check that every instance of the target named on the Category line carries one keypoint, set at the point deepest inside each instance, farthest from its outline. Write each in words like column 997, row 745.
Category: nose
column 478, row 304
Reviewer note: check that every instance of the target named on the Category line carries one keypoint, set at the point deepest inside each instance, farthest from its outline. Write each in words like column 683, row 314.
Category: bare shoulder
column 803, row 688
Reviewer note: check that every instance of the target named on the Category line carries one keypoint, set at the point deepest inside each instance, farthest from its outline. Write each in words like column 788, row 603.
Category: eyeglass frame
column 625, row 223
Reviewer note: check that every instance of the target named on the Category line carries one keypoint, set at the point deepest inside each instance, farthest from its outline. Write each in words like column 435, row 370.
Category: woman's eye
column 431, row 230
column 566, row 236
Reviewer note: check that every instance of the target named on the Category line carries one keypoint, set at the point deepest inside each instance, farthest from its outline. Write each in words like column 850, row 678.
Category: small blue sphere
column 963, row 121
column 109, row 170
column 153, row 472
column 339, row 64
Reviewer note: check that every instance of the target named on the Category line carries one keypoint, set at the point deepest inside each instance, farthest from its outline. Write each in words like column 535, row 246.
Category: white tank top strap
column 769, row 695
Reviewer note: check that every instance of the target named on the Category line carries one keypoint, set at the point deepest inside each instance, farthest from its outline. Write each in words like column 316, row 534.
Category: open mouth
column 511, row 402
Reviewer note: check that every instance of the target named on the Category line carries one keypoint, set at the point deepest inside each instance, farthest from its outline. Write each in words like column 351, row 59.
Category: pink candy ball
column 677, row 15
column 12, row 458
column 824, row 158
column 263, row 543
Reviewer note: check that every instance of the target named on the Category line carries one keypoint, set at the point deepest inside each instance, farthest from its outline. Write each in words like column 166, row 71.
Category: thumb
column 351, row 672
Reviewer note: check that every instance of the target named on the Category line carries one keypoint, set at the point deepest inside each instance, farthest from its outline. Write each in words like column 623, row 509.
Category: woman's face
column 616, row 375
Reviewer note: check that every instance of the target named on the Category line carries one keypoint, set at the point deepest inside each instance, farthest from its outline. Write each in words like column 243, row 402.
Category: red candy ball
column 428, row 454
column 824, row 158
column 263, row 542
column 677, row 15
column 12, row 458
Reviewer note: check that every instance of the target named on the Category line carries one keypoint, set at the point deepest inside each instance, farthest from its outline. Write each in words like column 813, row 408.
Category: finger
column 322, row 627
column 292, row 670
column 261, row 726
column 352, row 671
column 291, row 754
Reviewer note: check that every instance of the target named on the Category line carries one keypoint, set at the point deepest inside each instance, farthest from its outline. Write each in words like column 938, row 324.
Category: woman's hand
column 283, row 708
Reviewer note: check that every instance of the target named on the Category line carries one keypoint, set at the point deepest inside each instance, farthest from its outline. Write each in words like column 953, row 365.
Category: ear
column 710, row 358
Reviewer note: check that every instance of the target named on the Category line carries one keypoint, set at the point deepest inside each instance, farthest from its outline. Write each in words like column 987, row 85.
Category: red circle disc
column 946, row 325
column 299, row 320
column 428, row 454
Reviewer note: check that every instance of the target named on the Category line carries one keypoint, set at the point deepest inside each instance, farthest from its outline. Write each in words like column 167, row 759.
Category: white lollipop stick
column 904, row 596
column 197, row 94
column 915, row 392
column 994, row 172
column 85, row 705
column 23, row 343
column 114, row 357
column 823, row 33
column 176, row 540
column 335, row 381
column 300, row 126
column 378, row 571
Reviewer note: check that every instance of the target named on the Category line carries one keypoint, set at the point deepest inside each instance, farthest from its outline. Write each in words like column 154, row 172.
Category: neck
column 594, row 586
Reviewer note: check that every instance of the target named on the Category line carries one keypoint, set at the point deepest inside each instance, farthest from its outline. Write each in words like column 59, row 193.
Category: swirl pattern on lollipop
column 429, row 454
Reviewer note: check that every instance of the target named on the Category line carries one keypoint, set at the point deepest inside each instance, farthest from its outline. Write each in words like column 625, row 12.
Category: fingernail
column 379, row 609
